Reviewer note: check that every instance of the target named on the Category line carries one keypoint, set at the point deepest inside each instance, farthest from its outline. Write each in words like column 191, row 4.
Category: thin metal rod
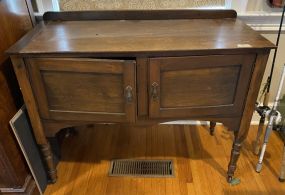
column 272, row 120
column 277, row 98
column 275, row 52
column 266, row 139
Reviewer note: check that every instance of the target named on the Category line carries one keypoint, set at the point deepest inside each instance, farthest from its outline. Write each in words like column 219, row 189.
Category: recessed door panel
column 85, row 89
column 198, row 85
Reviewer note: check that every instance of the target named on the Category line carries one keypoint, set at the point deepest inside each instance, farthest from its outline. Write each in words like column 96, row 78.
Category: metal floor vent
column 142, row 168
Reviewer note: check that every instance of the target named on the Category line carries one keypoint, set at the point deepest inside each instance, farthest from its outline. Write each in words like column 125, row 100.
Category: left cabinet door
column 84, row 89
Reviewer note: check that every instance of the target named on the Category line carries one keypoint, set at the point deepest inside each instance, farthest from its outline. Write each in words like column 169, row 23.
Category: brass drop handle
column 154, row 91
column 129, row 94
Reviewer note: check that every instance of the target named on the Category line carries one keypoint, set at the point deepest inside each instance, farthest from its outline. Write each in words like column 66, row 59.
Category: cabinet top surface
column 139, row 36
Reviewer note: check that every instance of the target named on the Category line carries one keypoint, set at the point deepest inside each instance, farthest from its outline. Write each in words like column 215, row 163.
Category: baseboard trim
column 254, row 121
column 262, row 21
column 190, row 122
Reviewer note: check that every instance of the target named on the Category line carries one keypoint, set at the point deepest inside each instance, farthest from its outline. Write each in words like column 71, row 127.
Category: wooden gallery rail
column 141, row 67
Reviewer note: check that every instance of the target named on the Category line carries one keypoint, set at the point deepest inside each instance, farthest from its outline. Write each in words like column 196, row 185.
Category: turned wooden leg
column 212, row 127
column 242, row 131
column 55, row 148
column 48, row 157
column 30, row 102
column 234, row 158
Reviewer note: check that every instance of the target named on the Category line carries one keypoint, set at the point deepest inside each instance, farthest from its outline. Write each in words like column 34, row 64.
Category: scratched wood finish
column 182, row 56
column 197, row 156
column 145, row 36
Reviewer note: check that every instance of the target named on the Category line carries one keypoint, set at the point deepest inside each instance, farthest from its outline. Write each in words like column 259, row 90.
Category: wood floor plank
column 100, row 151
column 172, row 184
column 200, row 161
column 214, row 158
column 200, row 178
column 158, row 185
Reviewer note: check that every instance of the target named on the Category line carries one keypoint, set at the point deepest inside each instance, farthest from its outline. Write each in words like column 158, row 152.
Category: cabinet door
column 84, row 89
column 196, row 86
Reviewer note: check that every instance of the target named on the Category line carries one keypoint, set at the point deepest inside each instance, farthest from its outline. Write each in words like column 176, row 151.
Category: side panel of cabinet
column 84, row 89
column 199, row 85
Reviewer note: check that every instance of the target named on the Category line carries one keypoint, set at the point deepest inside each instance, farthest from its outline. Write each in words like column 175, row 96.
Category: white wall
column 280, row 61
column 247, row 6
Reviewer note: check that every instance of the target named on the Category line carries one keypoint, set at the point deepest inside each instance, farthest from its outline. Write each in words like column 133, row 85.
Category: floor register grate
column 141, row 168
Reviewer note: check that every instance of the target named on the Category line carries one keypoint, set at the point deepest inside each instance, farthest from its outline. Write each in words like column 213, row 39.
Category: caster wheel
column 281, row 179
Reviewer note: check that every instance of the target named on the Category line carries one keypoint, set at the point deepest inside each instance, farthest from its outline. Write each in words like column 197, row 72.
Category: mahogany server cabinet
column 141, row 67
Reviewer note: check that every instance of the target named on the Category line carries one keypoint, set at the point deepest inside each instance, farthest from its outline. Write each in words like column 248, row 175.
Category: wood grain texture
column 218, row 82
column 212, row 92
column 9, row 32
column 197, row 157
column 146, row 36
column 32, row 107
column 26, row 38
column 12, row 162
column 28, row 95
column 142, row 86
column 13, row 167
column 241, row 134
column 255, row 83
column 86, row 89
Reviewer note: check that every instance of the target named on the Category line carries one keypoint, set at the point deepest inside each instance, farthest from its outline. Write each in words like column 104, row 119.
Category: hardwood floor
column 200, row 161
